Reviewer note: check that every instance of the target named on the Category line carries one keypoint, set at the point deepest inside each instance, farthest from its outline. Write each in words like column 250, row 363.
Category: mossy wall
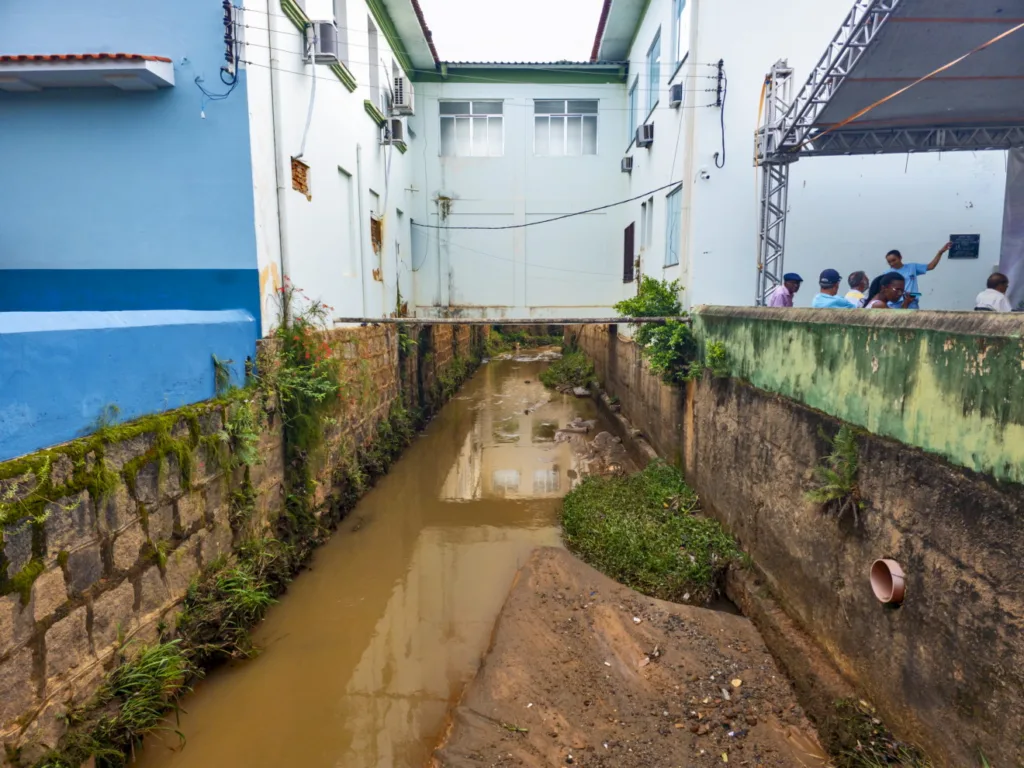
column 100, row 538
column 949, row 383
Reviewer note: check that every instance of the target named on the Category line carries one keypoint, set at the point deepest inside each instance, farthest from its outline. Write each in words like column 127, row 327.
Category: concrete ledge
column 950, row 383
column 60, row 370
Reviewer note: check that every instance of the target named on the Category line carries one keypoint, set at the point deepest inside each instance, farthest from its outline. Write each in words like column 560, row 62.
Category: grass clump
column 502, row 340
column 644, row 531
column 865, row 742
column 574, row 369
column 835, row 477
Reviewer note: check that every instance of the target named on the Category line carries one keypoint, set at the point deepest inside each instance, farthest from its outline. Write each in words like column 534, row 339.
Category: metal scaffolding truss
column 881, row 42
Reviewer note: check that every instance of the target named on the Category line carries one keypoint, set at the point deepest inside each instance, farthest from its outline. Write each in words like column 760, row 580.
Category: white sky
column 521, row 30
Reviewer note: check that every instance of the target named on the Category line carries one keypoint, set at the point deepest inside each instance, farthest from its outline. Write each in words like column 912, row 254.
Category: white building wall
column 845, row 212
column 571, row 267
column 327, row 237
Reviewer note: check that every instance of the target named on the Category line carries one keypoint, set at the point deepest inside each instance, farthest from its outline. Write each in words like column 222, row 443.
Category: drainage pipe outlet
column 888, row 581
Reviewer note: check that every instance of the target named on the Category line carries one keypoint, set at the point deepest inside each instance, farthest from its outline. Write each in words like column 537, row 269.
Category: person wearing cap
column 782, row 295
column 859, row 283
column 827, row 297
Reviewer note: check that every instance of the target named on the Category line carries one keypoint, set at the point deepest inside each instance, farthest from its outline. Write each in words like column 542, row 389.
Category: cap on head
column 829, row 278
column 792, row 277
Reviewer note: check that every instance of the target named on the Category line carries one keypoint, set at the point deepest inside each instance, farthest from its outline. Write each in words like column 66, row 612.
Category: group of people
column 896, row 289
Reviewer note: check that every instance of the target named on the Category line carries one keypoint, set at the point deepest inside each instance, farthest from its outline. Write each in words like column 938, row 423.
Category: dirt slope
column 573, row 679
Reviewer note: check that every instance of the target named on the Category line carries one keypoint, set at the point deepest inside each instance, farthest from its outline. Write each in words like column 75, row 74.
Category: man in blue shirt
column 911, row 270
column 826, row 297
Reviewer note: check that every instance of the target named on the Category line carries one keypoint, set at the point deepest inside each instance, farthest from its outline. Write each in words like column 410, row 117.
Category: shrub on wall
column 671, row 348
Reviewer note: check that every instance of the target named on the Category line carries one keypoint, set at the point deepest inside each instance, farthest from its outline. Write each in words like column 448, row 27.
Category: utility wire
column 557, row 218
column 420, row 97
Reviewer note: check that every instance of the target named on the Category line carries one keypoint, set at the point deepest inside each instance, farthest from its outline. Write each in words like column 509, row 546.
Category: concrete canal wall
column 938, row 399
column 103, row 535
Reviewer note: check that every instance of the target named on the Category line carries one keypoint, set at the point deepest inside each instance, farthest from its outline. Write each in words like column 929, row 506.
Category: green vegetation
column 863, row 741
column 645, row 531
column 573, row 369
column 671, row 349
column 716, row 359
column 835, row 476
column 501, row 340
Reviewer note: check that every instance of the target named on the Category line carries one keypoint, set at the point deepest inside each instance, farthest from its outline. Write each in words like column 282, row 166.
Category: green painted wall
column 948, row 383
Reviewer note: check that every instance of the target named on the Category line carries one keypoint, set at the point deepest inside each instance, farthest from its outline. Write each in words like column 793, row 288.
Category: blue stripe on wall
column 106, row 290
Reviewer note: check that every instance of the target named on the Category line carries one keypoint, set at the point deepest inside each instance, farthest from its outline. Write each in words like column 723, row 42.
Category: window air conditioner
column 403, row 96
column 627, row 164
column 394, row 131
column 321, row 42
column 675, row 95
column 645, row 135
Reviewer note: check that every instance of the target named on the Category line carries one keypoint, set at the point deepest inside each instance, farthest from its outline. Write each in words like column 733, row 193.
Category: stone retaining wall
column 128, row 526
column 944, row 669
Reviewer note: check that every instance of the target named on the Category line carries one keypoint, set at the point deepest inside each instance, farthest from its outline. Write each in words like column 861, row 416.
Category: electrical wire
column 475, row 78
column 725, row 91
column 422, row 97
column 312, row 100
column 557, row 218
column 231, row 83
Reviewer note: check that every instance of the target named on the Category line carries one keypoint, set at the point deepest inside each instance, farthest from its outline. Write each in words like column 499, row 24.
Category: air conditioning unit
column 321, row 42
column 402, row 104
column 627, row 164
column 394, row 131
column 675, row 95
column 645, row 135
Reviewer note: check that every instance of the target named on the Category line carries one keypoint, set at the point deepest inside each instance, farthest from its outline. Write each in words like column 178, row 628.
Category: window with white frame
column 653, row 71
column 633, row 104
column 471, row 128
column 341, row 22
column 680, row 31
column 674, row 217
column 564, row 127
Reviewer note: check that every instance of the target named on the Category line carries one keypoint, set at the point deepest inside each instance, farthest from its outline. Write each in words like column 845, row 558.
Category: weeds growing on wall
column 573, row 369
column 502, row 340
column 835, row 476
column 671, row 349
column 645, row 531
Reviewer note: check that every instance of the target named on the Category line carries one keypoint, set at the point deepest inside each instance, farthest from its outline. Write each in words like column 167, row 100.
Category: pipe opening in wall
column 888, row 581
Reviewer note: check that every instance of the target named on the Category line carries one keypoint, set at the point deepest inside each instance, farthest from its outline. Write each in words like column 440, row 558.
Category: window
column 632, row 109
column 564, row 127
column 646, row 223
column 341, row 22
column 680, row 31
column 653, row 71
column 471, row 129
column 374, row 56
column 673, row 201
column 628, row 257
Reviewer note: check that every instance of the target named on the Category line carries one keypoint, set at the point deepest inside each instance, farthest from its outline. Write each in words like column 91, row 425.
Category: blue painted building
column 127, row 240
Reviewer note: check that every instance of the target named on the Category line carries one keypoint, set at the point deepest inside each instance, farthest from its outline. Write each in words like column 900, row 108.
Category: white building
column 494, row 148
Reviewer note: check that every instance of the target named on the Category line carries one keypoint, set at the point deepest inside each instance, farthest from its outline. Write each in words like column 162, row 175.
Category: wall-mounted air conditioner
column 321, row 42
column 627, row 164
column 645, row 135
column 402, row 104
column 393, row 131
column 675, row 95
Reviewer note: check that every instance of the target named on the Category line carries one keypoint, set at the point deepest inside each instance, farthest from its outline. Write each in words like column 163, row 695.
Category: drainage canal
column 369, row 648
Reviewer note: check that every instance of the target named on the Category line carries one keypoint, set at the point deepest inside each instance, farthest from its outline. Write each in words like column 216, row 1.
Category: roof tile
column 58, row 57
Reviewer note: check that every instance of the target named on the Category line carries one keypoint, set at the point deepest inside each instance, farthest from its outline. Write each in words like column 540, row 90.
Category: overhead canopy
column 886, row 45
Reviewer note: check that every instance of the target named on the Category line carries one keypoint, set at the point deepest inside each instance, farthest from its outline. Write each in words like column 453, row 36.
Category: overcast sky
column 522, row 30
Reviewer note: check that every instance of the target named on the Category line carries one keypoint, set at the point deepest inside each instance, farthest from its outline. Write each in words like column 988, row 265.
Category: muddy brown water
column 367, row 650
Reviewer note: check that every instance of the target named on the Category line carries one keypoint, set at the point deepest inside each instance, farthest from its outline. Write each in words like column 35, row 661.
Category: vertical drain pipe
column 363, row 274
column 275, row 107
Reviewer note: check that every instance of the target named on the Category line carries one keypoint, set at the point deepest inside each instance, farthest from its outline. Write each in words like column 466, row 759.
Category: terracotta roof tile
column 58, row 57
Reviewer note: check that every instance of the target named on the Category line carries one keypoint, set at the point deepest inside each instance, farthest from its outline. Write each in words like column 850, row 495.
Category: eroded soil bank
column 584, row 671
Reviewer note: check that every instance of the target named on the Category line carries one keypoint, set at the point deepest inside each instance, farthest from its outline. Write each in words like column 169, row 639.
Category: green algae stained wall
column 948, row 383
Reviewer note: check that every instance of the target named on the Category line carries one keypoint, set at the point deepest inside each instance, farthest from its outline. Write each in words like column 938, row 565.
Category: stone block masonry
column 944, row 668
column 103, row 535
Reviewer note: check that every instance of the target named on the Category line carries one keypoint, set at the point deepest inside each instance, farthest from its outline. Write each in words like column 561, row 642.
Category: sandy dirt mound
column 583, row 671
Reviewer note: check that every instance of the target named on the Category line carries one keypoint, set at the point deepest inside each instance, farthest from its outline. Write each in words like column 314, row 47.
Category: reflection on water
column 368, row 648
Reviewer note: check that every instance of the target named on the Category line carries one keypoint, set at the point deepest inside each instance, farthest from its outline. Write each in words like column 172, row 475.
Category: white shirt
column 994, row 300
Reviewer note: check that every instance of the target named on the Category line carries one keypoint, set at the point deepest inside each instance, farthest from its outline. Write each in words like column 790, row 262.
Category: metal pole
column 506, row 320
